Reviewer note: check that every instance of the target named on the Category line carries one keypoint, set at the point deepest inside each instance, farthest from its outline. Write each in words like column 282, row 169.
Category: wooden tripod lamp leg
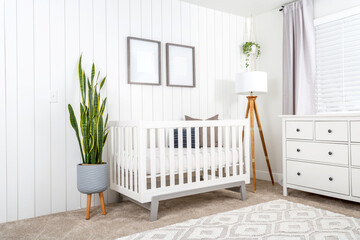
column 101, row 196
column 252, row 140
column 88, row 205
column 246, row 116
column 263, row 142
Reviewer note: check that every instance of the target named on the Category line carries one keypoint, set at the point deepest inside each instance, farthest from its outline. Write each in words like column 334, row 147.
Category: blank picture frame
column 144, row 61
column 180, row 65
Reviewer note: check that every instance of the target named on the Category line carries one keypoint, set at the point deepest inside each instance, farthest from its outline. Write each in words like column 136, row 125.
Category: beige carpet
column 127, row 218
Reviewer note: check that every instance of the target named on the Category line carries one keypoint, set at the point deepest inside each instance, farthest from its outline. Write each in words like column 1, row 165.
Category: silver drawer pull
column 298, row 150
column 329, row 131
column 330, row 179
column 330, row 153
column 298, row 173
column 298, row 129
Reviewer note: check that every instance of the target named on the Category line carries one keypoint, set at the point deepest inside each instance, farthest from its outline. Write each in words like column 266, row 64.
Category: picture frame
column 180, row 65
column 143, row 61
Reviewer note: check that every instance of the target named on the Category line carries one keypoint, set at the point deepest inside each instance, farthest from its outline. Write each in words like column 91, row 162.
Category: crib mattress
column 219, row 152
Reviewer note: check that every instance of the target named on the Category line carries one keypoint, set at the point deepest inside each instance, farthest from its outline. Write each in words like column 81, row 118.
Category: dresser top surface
column 323, row 116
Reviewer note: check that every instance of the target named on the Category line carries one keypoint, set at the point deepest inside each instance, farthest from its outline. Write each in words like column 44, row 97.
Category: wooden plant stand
column 88, row 205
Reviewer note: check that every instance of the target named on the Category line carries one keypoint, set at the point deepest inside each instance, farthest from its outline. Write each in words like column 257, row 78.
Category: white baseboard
column 264, row 175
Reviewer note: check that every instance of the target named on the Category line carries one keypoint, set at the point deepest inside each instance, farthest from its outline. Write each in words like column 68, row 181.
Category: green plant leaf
column 102, row 83
column 100, row 138
column 74, row 124
column 92, row 73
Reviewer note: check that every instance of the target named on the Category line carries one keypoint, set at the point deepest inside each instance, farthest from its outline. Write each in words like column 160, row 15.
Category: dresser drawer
column 331, row 131
column 320, row 152
column 355, row 155
column 355, row 180
column 355, row 131
column 317, row 176
column 299, row 129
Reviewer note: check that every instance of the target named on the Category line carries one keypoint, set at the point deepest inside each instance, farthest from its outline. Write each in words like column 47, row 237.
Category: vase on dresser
column 321, row 154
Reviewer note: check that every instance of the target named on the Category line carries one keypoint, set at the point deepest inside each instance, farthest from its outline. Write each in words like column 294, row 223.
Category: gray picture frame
column 129, row 66
column 169, row 65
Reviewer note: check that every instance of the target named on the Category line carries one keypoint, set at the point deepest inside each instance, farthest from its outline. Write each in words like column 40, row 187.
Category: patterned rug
column 275, row 220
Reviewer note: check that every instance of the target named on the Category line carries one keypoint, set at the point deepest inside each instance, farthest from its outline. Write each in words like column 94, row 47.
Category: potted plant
column 250, row 48
column 92, row 173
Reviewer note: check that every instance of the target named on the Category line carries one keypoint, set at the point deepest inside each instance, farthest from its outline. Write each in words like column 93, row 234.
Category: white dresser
column 321, row 154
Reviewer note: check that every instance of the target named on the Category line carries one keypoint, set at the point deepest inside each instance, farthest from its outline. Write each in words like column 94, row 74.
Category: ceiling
column 242, row 7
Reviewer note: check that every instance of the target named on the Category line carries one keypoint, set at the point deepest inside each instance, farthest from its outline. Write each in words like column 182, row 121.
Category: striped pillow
column 176, row 138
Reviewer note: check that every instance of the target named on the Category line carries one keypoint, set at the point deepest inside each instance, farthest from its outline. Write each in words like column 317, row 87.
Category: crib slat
column 180, row 156
column 122, row 156
column 220, row 151
column 197, row 161
column 152, row 158
column 131, row 159
column 205, row 155
column 233, row 148
column 240, row 151
column 188, row 155
column 227, row 143
column 135, row 158
column 161, row 139
column 247, row 151
column 126, row 165
column 171, row 157
column 112, row 155
column 212, row 142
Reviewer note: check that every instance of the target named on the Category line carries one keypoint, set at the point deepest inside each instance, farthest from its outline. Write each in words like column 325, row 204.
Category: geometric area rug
column 274, row 220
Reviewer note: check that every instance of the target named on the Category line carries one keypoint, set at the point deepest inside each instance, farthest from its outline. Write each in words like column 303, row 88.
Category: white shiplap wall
column 41, row 41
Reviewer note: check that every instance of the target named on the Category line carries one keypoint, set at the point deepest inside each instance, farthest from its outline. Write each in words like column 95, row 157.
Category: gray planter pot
column 92, row 178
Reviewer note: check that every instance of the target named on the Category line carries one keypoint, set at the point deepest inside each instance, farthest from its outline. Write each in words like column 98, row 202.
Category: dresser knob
column 330, row 153
column 330, row 179
column 298, row 150
column 298, row 173
column 329, row 131
column 298, row 130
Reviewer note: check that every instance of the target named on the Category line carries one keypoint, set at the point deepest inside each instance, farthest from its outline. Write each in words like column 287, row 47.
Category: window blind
column 338, row 65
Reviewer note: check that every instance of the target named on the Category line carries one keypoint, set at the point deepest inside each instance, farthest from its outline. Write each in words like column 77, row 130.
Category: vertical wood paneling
column 240, row 39
column 185, row 40
column 72, row 53
column 210, row 22
column 42, row 107
column 135, row 30
column 176, row 38
column 125, row 89
column 58, row 109
column 219, row 63
column 42, row 42
column 112, row 71
column 156, row 32
column 226, row 81
column 203, row 81
column 146, row 32
column 11, row 110
column 3, row 132
column 26, row 124
column 166, row 37
column 194, row 41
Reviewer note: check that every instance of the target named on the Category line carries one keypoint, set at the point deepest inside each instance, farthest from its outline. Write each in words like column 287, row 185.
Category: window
column 338, row 63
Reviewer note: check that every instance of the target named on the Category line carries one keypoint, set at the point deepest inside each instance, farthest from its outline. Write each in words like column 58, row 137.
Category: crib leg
column 154, row 209
column 243, row 191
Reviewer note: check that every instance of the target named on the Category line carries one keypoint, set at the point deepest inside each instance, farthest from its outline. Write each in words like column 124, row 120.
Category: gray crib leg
column 243, row 191
column 154, row 209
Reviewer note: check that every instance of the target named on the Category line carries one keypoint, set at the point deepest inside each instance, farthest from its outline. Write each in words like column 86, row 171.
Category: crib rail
column 154, row 157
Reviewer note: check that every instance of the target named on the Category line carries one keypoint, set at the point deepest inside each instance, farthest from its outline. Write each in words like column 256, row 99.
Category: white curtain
column 299, row 58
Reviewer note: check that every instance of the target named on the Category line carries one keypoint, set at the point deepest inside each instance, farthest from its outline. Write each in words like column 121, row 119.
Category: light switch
column 53, row 96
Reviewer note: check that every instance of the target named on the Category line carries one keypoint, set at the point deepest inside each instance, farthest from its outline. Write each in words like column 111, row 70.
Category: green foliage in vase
column 93, row 128
column 247, row 50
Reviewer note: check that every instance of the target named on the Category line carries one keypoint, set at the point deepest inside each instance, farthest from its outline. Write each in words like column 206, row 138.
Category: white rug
column 275, row 220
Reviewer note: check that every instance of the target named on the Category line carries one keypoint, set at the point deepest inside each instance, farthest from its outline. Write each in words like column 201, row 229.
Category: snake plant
column 93, row 128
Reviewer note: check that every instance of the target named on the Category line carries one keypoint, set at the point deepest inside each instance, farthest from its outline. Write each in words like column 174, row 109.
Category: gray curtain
column 299, row 58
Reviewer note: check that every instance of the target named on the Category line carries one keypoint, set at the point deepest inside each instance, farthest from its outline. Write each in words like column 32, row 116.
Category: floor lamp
column 254, row 83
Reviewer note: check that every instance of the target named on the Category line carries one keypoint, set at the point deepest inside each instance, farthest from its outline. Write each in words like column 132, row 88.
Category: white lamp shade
column 251, row 82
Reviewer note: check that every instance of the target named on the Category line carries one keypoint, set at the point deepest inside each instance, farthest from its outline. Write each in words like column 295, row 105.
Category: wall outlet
column 53, row 96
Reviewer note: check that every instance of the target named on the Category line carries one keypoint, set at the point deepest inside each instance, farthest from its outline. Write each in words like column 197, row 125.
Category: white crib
column 146, row 168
